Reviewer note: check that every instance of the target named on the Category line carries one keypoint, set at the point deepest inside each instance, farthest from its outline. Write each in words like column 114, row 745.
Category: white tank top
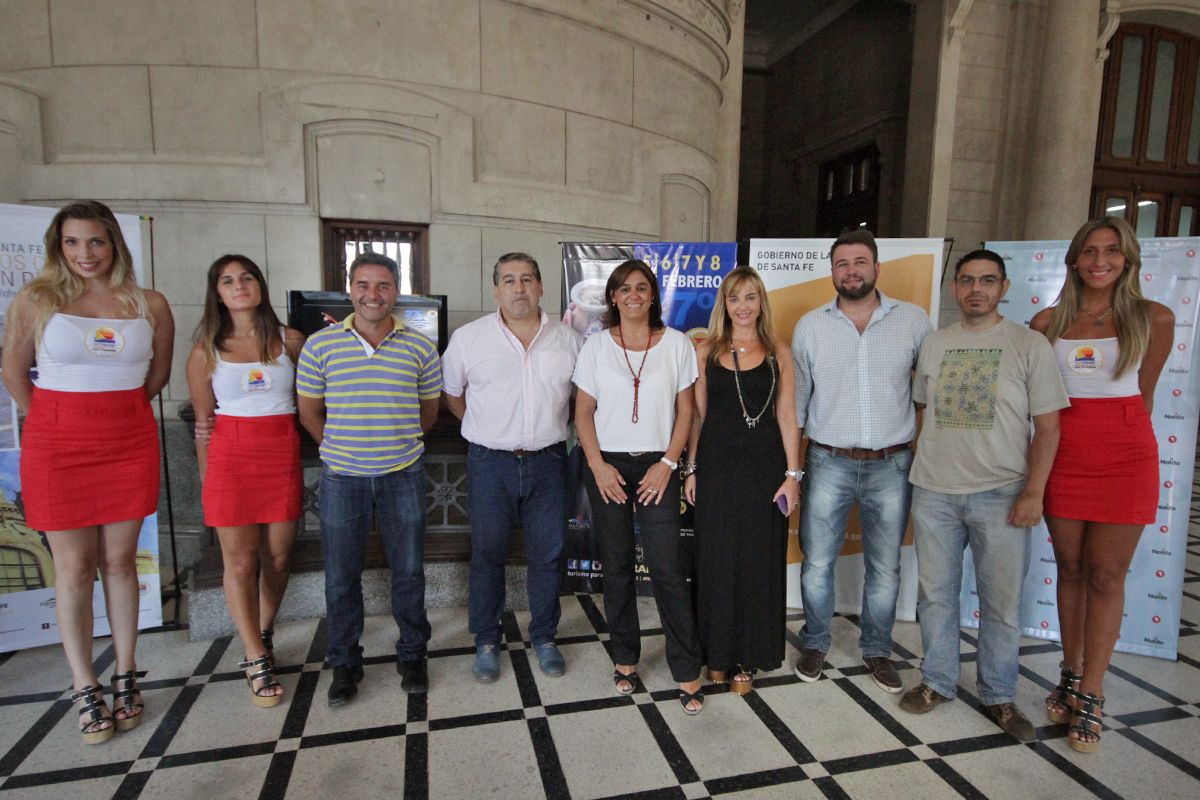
column 1087, row 367
column 83, row 354
column 255, row 389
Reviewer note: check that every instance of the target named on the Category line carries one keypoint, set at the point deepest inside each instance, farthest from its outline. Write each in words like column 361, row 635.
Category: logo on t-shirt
column 965, row 392
column 1085, row 359
column 104, row 341
column 256, row 380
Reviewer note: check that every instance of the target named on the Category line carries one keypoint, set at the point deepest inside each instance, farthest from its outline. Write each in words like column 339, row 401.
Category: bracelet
column 689, row 469
column 794, row 473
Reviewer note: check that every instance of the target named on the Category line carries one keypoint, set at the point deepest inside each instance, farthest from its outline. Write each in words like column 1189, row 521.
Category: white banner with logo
column 797, row 274
column 1154, row 588
column 27, row 616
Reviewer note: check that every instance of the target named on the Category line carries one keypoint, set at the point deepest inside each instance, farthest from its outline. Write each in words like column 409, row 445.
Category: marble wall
column 238, row 125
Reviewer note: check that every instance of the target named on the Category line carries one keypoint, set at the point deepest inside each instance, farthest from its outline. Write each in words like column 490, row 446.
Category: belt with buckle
column 862, row 454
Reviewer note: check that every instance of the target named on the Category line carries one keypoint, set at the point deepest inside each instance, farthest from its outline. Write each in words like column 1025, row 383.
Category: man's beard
column 856, row 294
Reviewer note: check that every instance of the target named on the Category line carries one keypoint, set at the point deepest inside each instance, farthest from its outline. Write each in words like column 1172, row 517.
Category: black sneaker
column 414, row 677
column 345, row 684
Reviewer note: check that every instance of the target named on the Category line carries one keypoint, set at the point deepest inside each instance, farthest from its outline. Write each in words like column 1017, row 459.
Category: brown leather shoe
column 808, row 668
column 1014, row 723
column 921, row 699
column 884, row 674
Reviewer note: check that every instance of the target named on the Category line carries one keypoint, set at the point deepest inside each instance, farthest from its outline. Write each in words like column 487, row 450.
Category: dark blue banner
column 689, row 275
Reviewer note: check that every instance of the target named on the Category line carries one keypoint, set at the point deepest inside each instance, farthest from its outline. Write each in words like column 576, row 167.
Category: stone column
column 1063, row 145
column 723, row 225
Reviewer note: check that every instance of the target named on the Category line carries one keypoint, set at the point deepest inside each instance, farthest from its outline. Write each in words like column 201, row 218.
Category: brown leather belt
column 862, row 454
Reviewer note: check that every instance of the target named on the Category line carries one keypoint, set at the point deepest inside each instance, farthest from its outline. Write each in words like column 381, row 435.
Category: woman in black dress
column 744, row 481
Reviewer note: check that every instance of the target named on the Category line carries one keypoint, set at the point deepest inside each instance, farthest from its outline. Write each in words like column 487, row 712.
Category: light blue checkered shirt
column 856, row 390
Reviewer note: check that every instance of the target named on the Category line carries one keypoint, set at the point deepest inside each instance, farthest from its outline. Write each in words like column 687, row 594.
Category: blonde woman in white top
column 242, row 369
column 89, row 459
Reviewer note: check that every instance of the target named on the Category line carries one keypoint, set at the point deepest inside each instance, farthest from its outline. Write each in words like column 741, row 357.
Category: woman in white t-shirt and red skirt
column 90, row 454
column 242, row 368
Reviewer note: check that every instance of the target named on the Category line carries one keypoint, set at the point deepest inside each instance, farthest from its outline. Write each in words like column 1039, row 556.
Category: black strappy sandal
column 123, row 700
column 619, row 678
column 1064, row 697
column 92, row 706
column 269, row 644
column 1082, row 723
column 686, row 697
column 266, row 674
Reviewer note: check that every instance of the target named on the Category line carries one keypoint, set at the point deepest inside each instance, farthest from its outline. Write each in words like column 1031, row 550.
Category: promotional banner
column 689, row 275
column 798, row 277
column 1154, row 588
column 26, row 568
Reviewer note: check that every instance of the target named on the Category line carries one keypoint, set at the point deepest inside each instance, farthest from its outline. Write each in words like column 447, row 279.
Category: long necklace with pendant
column 751, row 421
column 637, row 376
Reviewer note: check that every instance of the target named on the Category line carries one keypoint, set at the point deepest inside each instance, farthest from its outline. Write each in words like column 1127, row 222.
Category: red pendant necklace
column 637, row 376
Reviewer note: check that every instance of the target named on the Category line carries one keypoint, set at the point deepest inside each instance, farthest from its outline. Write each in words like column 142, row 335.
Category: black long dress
column 741, row 536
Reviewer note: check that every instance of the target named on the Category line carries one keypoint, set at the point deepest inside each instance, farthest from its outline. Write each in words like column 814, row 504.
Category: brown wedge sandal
column 743, row 681
column 266, row 674
column 1062, row 701
column 128, row 699
column 1086, row 723
column 93, row 705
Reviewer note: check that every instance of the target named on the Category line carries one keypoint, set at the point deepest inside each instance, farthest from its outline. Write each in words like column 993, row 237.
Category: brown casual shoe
column 808, row 668
column 921, row 699
column 884, row 674
column 1014, row 723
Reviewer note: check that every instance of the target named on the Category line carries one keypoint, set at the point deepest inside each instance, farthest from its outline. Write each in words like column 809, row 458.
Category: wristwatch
column 674, row 465
column 794, row 473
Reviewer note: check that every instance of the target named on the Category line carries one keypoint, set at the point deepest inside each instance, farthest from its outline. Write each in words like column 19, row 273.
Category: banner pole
column 172, row 591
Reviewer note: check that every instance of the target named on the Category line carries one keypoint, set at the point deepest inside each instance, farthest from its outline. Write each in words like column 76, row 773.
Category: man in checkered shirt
column 854, row 360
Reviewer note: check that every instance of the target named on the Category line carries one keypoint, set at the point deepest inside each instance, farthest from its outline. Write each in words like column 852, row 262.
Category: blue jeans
column 830, row 488
column 349, row 503
column 944, row 525
column 505, row 489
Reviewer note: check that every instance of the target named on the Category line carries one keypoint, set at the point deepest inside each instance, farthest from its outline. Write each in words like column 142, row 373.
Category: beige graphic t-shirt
column 982, row 389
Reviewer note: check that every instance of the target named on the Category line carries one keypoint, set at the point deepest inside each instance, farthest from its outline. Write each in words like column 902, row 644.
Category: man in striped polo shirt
column 368, row 390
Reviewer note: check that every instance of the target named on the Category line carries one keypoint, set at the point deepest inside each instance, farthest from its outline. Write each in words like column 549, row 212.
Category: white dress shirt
column 855, row 390
column 517, row 399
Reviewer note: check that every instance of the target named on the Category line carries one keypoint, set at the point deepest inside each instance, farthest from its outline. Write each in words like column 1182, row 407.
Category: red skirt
column 88, row 458
column 254, row 474
column 1106, row 468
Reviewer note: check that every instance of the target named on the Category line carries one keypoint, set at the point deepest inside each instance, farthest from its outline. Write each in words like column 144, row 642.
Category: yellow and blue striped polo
column 372, row 401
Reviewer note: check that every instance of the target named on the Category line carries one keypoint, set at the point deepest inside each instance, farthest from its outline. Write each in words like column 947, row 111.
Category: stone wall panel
column 425, row 41
column 186, row 244
column 674, row 101
column 209, row 33
column 371, row 176
column 684, row 211
column 454, row 266
column 521, row 141
column 24, row 34
column 207, row 111
column 601, row 155
column 94, row 111
column 543, row 58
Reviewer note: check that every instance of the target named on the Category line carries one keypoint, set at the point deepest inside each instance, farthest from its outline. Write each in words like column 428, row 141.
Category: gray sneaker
column 1014, row 723
column 487, row 665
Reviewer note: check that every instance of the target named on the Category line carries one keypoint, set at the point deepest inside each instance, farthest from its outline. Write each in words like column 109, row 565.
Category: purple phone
column 781, row 501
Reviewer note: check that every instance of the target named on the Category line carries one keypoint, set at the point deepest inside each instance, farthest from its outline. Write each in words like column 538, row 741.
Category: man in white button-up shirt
column 507, row 376
column 854, row 359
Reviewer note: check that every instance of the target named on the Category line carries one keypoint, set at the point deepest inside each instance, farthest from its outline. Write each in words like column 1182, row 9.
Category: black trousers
column 659, row 527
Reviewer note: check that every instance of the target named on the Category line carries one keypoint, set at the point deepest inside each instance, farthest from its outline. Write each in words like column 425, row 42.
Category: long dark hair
column 217, row 324
column 612, row 317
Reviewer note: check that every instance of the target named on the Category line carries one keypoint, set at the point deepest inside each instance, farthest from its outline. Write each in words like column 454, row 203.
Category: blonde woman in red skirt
column 1111, row 344
column 242, row 368
column 89, row 457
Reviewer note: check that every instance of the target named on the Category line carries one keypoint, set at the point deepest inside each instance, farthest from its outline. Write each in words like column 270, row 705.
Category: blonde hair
column 720, row 327
column 1132, row 312
column 58, row 285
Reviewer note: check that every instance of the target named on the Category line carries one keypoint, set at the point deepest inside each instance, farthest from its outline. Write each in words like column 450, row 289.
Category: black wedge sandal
column 1086, row 723
column 124, row 700
column 686, row 697
column 92, row 706
column 267, row 640
column 619, row 678
column 266, row 674
column 1064, row 697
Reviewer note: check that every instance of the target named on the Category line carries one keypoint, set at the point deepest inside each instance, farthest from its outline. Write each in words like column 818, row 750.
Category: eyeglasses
column 986, row 281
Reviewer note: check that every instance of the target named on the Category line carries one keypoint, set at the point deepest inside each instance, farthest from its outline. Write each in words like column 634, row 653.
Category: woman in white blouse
column 633, row 415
